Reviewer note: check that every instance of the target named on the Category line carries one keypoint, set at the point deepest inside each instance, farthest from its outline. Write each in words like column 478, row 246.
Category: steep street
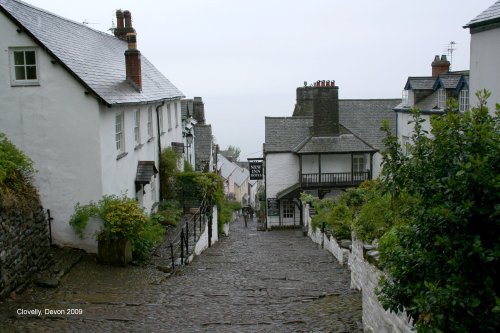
column 251, row 281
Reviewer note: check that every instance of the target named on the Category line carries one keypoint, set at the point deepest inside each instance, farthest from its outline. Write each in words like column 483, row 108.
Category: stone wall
column 364, row 277
column 24, row 246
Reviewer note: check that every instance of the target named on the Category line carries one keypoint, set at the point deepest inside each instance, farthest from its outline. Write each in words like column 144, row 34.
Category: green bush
column 169, row 213
column 443, row 262
column 122, row 218
column 16, row 173
column 374, row 218
column 168, row 171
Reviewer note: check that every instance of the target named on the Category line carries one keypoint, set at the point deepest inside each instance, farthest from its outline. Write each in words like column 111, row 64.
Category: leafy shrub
column 374, row 217
column 169, row 213
column 443, row 263
column 122, row 218
column 16, row 173
column 187, row 166
column 168, row 171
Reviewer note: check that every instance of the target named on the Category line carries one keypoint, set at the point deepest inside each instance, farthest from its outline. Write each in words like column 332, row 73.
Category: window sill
column 25, row 84
column 139, row 146
column 151, row 139
column 162, row 133
column 122, row 155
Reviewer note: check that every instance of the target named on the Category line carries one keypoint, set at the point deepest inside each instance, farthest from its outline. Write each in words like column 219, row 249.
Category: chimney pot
column 440, row 65
column 128, row 19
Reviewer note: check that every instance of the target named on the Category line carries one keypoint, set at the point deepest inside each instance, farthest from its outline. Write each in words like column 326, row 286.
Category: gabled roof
column 360, row 117
column 420, row 83
column 240, row 175
column 94, row 58
column 447, row 81
column 488, row 16
column 345, row 143
column 225, row 166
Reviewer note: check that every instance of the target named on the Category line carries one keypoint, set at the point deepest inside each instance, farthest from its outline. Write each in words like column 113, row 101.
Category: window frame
column 463, row 104
column 137, row 127
column 288, row 209
column 12, row 67
column 356, row 165
column 405, row 98
column 120, row 132
column 169, row 117
column 441, row 102
column 150, row 122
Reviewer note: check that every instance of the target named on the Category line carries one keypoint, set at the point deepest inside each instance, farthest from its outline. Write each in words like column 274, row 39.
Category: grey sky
column 246, row 58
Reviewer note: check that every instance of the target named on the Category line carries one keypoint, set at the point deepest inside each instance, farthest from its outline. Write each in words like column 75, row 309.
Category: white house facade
column 485, row 54
column 327, row 146
column 430, row 94
column 84, row 105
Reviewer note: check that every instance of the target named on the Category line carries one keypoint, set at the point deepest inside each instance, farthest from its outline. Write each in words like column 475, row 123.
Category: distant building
column 485, row 54
column 429, row 94
column 88, row 108
column 327, row 146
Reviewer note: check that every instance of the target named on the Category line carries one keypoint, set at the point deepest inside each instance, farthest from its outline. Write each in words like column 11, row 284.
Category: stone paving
column 251, row 281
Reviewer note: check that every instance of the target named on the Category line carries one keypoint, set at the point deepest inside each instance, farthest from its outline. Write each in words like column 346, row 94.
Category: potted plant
column 123, row 223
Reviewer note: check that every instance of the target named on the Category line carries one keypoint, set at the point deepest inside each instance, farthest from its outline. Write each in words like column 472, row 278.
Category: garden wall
column 364, row 277
column 24, row 247
column 202, row 243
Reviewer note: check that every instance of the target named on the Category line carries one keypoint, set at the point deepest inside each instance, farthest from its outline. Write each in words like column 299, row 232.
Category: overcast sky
column 246, row 58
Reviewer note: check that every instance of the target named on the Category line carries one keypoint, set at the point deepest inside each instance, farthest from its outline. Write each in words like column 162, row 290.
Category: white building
column 84, row 105
column 327, row 146
column 430, row 94
column 485, row 54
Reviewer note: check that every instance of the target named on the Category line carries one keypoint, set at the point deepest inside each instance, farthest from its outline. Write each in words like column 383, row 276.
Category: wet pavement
column 251, row 281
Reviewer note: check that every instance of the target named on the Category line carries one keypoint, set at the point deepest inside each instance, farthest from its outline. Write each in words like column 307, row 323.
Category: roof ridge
column 61, row 17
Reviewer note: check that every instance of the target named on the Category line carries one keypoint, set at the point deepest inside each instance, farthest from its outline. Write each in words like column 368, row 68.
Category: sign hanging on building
column 273, row 207
column 256, row 170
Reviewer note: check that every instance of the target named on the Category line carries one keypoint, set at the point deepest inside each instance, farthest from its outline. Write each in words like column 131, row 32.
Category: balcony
column 336, row 179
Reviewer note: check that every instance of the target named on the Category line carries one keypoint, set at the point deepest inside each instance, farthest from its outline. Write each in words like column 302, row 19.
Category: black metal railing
column 182, row 245
column 334, row 178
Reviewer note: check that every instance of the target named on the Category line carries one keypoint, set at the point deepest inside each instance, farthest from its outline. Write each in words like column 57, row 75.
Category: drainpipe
column 159, row 145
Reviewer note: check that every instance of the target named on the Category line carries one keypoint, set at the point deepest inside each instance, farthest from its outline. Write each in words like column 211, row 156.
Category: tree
column 443, row 264
column 232, row 151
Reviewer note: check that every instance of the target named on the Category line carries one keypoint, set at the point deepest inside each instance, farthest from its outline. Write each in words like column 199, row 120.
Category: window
column 120, row 143
column 441, row 98
column 176, row 115
column 23, row 70
column 169, row 115
column 405, row 144
column 137, row 127
column 160, row 120
column 150, row 122
column 358, row 163
column 463, row 104
column 288, row 209
column 404, row 98
column 153, row 190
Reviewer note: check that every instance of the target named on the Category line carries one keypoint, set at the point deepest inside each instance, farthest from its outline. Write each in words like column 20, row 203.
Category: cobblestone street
column 251, row 281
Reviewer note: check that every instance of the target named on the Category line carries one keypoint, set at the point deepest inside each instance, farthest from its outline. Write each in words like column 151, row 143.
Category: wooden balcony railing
column 334, row 179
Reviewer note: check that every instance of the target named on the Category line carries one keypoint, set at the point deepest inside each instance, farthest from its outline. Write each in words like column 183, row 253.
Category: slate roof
column 94, row 58
column 448, row 81
column 240, row 175
column 202, row 145
column 225, row 166
column 186, row 105
column 338, row 144
column 360, row 117
column 490, row 15
column 145, row 170
column 420, row 83
column 284, row 133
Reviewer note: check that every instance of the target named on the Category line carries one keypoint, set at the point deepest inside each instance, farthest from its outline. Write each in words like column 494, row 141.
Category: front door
column 288, row 212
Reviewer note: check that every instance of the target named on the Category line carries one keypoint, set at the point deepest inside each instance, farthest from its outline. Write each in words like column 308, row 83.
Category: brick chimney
column 325, row 108
column 132, row 54
column 120, row 27
column 440, row 66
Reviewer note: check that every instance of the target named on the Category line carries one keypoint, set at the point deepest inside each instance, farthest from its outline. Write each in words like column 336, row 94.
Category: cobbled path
column 251, row 281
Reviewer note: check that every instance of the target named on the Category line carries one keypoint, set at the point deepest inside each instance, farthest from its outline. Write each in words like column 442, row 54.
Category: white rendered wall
column 406, row 129
column 282, row 172
column 336, row 163
column 485, row 66
column 55, row 124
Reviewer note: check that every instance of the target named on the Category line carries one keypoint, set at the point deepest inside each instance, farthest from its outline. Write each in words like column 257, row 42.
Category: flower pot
column 117, row 252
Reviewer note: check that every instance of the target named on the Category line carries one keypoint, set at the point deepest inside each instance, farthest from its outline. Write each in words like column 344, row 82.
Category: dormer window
column 404, row 98
column 441, row 98
column 463, row 103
